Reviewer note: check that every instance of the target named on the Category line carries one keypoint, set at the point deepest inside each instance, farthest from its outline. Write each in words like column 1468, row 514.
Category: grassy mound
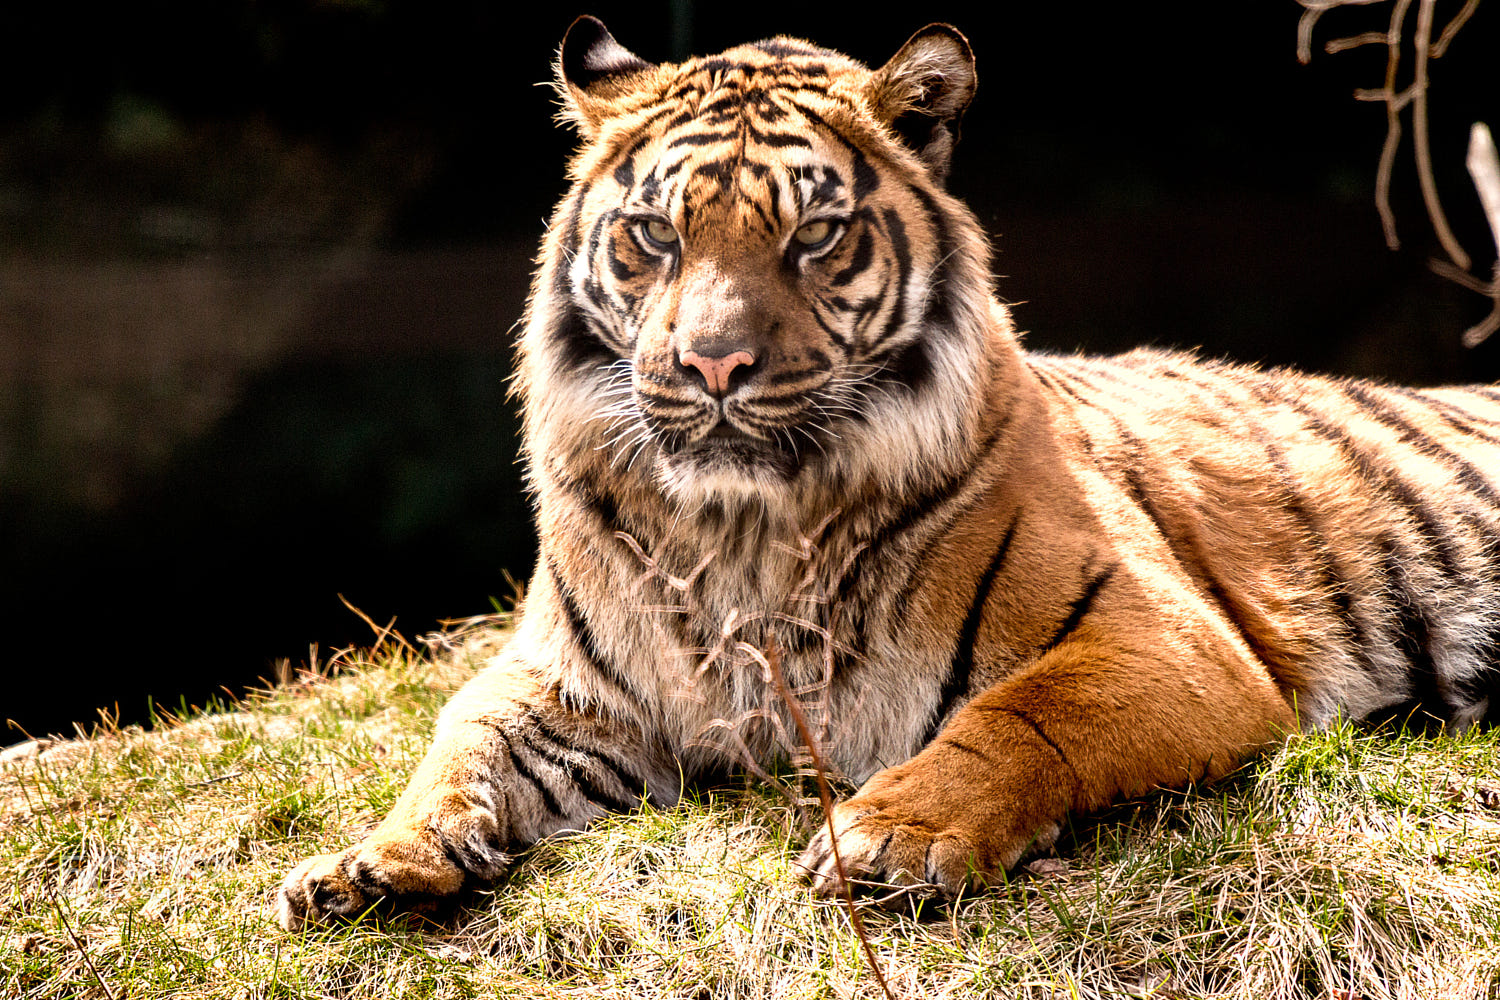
column 142, row 864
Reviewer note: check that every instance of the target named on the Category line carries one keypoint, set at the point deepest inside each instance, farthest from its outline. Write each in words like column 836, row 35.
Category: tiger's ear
column 923, row 92
column 593, row 72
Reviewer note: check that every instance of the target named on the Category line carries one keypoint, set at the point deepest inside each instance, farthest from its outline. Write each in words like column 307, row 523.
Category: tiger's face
column 756, row 262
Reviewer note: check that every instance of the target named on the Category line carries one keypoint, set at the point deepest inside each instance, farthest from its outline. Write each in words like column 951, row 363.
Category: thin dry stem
column 773, row 663
column 82, row 949
column 1420, row 144
column 769, row 662
column 1415, row 95
column 1459, row 19
column 382, row 632
column 1484, row 168
column 1392, row 124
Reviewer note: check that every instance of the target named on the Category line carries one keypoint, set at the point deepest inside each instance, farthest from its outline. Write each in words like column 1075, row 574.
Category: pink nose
column 716, row 370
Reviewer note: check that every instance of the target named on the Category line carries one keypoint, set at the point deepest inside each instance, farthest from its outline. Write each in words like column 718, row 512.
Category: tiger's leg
column 508, row 765
column 1082, row 727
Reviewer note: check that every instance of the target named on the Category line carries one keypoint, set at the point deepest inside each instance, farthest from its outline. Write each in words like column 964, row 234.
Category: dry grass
column 141, row 864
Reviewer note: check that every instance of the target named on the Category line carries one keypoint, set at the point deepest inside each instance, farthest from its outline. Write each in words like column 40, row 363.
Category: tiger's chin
column 729, row 469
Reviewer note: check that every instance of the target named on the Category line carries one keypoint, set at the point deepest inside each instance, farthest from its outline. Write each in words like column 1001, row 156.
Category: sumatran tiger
column 785, row 449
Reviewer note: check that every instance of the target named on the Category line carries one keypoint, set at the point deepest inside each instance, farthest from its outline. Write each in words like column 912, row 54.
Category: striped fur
column 775, row 416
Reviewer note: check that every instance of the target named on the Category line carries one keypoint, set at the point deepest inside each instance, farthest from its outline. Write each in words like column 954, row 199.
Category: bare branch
column 1419, row 140
column 1314, row 9
column 84, row 951
column 1354, row 42
column 1444, row 269
column 1392, row 125
column 765, row 725
column 1480, row 332
column 1441, row 45
column 1415, row 95
column 773, row 663
column 1484, row 168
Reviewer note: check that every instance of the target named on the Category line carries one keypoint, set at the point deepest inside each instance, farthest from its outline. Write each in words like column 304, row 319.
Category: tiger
column 798, row 487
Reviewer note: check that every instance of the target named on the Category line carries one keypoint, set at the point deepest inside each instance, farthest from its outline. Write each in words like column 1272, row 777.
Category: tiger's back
column 785, row 447
column 1345, row 528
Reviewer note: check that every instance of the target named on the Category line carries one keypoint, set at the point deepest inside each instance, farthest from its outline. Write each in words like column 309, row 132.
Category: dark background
column 259, row 262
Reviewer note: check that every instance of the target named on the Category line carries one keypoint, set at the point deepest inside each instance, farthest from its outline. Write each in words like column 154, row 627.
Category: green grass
column 143, row 864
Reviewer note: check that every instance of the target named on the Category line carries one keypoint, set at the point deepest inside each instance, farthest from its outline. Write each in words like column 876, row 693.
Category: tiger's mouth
column 727, row 449
column 724, row 430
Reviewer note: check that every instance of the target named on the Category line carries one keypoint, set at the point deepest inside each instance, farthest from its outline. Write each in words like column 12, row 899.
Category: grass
column 142, row 864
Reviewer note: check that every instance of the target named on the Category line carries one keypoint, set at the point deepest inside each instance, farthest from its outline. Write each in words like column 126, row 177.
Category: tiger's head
column 757, row 285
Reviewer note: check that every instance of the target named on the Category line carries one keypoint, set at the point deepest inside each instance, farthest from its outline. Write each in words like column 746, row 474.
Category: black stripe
column 527, row 774
column 584, row 638
column 939, row 309
column 859, row 261
column 596, row 498
column 557, row 757
column 625, row 172
column 450, row 850
column 910, row 365
column 776, row 140
column 621, row 270
column 1414, row 634
column 866, row 178
column 365, row 877
column 1328, row 571
column 783, row 48
column 701, row 139
column 627, row 780
column 1382, row 412
column 1036, row 727
column 901, row 250
column 837, row 336
column 1189, row 554
column 965, row 748
column 1052, row 378
column 1454, row 416
column 961, row 664
column 926, row 505
column 1079, row 610
column 580, row 346
column 1387, row 483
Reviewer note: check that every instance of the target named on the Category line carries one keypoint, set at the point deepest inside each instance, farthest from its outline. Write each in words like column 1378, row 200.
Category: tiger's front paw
column 916, row 845
column 416, row 868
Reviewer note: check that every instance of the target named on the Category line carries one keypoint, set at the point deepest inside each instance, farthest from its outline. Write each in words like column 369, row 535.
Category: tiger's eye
column 660, row 232
column 814, row 233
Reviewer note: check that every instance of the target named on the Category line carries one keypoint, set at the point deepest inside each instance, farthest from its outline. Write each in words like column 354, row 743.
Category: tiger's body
column 775, row 418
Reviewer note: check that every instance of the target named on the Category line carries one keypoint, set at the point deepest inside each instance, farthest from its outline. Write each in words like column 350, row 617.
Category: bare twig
column 729, row 647
column 382, row 633
column 1355, row 41
column 1420, row 145
column 82, row 950
column 1392, row 124
column 1396, row 101
column 1484, row 168
column 1441, row 45
column 773, row 664
column 1314, row 9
